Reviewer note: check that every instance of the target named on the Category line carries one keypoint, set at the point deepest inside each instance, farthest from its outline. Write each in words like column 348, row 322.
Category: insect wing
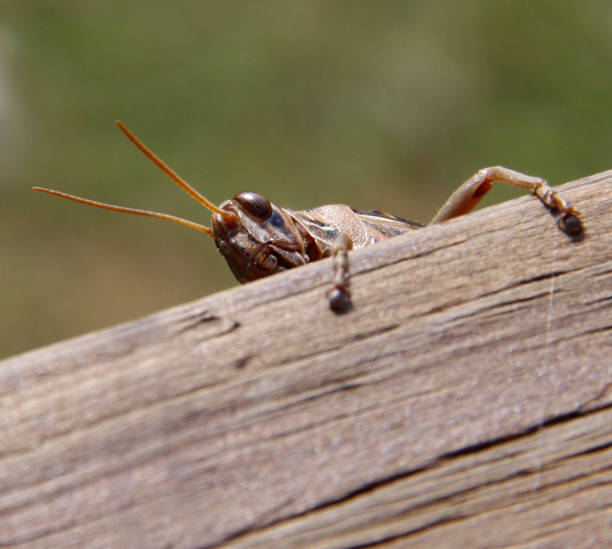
column 326, row 224
column 382, row 225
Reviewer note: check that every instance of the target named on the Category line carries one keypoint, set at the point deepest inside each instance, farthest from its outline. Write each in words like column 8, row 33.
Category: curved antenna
column 134, row 211
column 171, row 173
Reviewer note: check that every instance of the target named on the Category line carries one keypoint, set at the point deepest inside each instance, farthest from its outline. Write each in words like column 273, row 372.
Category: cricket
column 258, row 238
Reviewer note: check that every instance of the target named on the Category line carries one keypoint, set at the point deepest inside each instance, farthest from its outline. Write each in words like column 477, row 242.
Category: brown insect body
column 258, row 238
column 261, row 239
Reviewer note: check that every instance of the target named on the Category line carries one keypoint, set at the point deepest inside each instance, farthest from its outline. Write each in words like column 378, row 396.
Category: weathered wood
column 466, row 398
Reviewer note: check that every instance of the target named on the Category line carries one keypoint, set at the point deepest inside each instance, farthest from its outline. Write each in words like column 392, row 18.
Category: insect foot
column 569, row 219
column 570, row 224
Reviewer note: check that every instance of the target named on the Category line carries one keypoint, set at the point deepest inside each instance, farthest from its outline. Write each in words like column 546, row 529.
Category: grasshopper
column 258, row 238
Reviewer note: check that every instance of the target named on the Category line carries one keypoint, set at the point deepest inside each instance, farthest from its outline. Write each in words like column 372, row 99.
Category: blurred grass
column 388, row 105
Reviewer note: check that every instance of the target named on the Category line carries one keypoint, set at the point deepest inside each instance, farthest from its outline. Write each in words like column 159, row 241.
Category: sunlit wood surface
column 465, row 401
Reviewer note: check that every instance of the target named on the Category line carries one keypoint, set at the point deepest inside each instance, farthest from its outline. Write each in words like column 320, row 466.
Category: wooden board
column 465, row 399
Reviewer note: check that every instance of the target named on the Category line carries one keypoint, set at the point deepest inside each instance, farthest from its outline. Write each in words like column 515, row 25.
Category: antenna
column 122, row 209
column 147, row 213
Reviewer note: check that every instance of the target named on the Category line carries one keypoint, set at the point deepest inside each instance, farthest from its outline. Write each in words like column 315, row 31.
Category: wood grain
column 466, row 399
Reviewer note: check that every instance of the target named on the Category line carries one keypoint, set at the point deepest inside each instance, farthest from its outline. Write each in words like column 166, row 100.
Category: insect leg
column 339, row 297
column 471, row 191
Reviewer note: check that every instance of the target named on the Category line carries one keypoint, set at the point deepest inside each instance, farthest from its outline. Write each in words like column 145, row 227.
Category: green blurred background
column 387, row 104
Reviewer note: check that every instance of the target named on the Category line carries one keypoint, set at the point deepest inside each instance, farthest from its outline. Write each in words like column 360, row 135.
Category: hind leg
column 471, row 192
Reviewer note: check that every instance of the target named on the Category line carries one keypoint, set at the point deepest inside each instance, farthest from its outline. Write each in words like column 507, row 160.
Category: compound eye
column 255, row 204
